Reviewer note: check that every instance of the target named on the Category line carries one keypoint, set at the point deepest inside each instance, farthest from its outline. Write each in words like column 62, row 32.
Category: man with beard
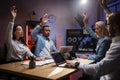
column 43, row 44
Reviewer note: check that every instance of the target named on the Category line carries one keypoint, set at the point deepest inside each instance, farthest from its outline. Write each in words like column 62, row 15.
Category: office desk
column 45, row 72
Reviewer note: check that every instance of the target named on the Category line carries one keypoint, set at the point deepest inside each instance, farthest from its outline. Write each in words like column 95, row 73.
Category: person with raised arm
column 109, row 67
column 43, row 44
column 101, row 35
column 17, row 49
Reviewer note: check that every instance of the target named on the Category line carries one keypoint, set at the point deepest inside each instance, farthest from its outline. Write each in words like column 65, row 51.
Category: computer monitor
column 80, row 40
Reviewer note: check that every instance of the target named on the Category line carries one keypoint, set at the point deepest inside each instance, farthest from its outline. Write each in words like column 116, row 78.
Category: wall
column 65, row 12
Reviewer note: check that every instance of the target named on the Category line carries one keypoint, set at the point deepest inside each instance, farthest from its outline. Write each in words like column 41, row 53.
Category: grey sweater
column 16, row 49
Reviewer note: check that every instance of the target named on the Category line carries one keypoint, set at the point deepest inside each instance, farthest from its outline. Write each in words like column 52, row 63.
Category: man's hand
column 13, row 12
column 44, row 19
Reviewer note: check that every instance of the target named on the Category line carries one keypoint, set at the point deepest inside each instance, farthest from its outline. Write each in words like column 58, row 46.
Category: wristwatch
column 76, row 64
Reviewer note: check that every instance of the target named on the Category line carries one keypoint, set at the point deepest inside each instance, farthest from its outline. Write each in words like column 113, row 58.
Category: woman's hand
column 39, row 58
column 13, row 12
column 85, row 19
column 84, row 56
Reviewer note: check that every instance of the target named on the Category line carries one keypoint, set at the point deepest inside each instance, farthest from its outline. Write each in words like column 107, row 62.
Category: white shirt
column 46, row 50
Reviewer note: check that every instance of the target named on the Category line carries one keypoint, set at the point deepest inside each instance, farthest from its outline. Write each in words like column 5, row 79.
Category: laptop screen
column 58, row 58
column 64, row 49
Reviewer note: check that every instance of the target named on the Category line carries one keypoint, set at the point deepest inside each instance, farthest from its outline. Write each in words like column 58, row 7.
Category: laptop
column 58, row 59
column 60, row 56
column 64, row 49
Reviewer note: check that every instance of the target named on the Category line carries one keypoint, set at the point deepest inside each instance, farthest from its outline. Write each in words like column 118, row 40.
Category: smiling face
column 18, row 32
column 101, row 29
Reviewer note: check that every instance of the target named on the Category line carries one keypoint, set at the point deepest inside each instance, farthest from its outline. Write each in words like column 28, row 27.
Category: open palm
column 45, row 18
column 13, row 11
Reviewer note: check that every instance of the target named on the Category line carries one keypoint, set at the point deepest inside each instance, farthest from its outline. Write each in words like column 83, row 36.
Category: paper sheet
column 39, row 63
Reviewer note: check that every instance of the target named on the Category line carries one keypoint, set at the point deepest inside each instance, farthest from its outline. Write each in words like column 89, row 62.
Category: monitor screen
column 80, row 40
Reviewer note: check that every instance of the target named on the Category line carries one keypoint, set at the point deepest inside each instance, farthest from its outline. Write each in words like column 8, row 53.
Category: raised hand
column 45, row 18
column 85, row 20
column 13, row 12
column 103, row 4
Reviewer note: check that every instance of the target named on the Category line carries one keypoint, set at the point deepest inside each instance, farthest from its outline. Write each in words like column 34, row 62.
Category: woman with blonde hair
column 102, row 35
column 102, row 26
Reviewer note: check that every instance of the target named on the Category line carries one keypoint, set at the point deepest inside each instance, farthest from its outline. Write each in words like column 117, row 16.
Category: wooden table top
column 48, row 71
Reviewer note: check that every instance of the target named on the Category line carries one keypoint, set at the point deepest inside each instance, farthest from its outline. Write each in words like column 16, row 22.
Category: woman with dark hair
column 14, row 36
column 17, row 49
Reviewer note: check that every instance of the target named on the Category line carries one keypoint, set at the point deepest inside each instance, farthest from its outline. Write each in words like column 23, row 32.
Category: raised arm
column 85, row 20
column 9, row 30
column 44, row 19
column 105, row 8
column 88, row 29
column 37, row 29
column 13, row 12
